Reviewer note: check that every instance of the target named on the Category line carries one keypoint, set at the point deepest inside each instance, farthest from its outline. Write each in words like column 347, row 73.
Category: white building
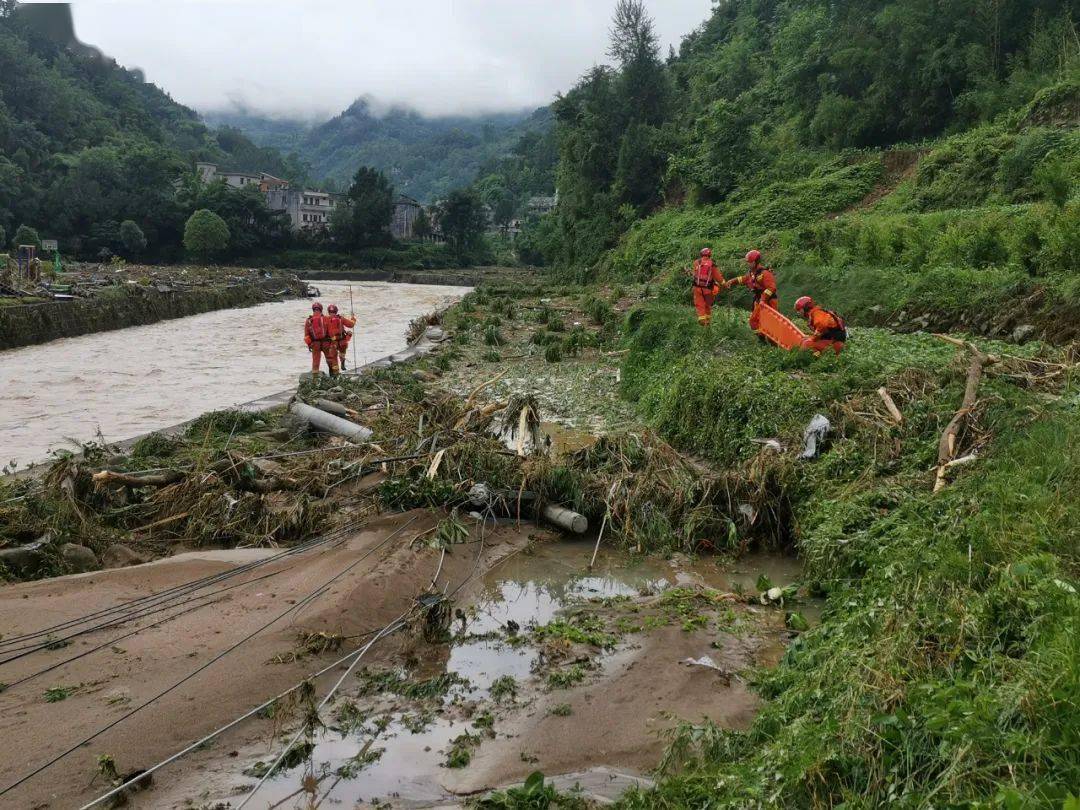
column 211, row 172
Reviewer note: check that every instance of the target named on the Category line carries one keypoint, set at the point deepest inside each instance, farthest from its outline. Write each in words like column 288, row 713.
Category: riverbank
column 132, row 296
column 118, row 384
column 468, row 277
column 673, row 441
column 240, row 480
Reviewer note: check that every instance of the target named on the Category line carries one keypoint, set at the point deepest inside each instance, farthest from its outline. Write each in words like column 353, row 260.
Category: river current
column 132, row 381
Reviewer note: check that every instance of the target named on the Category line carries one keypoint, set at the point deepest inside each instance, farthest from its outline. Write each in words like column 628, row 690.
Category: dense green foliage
column 915, row 166
column 205, row 235
column 132, row 238
column 761, row 110
column 945, row 670
column 25, row 235
column 86, row 144
column 362, row 219
column 424, row 157
column 462, row 221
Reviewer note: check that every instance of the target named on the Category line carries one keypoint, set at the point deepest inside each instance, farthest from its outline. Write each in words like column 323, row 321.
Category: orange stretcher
column 777, row 329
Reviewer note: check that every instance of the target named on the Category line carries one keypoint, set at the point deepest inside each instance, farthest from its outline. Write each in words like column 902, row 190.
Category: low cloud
column 312, row 59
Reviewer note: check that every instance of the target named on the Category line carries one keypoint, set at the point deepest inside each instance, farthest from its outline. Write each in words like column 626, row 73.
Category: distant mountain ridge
column 423, row 157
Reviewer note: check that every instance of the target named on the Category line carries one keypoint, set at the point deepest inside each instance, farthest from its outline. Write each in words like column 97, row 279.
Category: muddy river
column 132, row 381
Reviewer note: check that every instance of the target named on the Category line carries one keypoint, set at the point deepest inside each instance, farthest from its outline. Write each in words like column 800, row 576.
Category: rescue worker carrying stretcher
column 338, row 329
column 707, row 280
column 828, row 328
column 761, row 282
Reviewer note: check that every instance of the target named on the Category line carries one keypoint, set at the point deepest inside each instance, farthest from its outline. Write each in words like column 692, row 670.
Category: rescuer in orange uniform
column 707, row 280
column 319, row 343
column 338, row 327
column 828, row 328
column 761, row 282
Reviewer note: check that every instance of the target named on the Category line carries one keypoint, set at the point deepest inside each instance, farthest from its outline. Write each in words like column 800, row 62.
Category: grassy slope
column 978, row 231
column 946, row 671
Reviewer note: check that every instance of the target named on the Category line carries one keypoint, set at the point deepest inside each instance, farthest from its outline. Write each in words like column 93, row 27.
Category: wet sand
column 121, row 676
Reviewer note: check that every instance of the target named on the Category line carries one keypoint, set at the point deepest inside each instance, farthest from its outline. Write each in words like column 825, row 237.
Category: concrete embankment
column 131, row 305
column 465, row 277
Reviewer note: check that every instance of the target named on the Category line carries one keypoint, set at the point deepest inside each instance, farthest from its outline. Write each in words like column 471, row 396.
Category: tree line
column 764, row 87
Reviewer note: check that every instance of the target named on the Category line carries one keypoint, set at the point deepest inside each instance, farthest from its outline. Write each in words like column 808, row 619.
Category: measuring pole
column 352, row 311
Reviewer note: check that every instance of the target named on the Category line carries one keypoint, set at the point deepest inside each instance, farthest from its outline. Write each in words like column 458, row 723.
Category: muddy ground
column 543, row 664
column 107, row 684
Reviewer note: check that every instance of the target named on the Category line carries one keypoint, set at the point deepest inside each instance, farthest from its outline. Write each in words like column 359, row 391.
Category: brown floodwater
column 132, row 381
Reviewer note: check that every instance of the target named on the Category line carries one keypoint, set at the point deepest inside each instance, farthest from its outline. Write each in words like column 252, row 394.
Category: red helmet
column 753, row 257
column 706, row 252
column 332, row 309
column 803, row 304
column 316, row 307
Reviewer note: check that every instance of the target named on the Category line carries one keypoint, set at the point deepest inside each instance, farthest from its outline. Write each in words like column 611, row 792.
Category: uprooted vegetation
column 943, row 670
column 237, row 479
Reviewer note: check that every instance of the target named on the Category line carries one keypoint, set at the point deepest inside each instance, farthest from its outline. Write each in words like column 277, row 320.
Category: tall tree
column 206, row 235
column 363, row 219
column 636, row 49
column 462, row 221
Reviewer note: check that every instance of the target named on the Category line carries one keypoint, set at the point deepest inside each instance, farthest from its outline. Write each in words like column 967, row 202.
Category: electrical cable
column 315, row 594
column 358, row 653
column 134, row 605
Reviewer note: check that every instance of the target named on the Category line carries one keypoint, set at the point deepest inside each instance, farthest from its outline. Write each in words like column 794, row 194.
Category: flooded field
column 486, row 711
column 132, row 381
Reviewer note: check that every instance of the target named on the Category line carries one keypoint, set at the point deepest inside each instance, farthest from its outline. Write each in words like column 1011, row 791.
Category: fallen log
column 106, row 477
column 565, row 519
column 947, row 444
column 890, row 406
column 328, row 423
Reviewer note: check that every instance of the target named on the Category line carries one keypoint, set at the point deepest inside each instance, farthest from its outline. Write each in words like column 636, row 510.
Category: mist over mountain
column 424, row 157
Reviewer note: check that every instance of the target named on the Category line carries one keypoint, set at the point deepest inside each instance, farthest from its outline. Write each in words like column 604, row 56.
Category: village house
column 403, row 221
column 211, row 172
column 308, row 210
column 538, row 206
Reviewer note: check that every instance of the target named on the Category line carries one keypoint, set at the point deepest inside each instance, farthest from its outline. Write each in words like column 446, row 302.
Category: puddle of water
column 526, row 589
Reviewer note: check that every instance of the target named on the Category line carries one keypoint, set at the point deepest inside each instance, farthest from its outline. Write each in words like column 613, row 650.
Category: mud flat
column 431, row 725
column 107, row 684
column 461, row 645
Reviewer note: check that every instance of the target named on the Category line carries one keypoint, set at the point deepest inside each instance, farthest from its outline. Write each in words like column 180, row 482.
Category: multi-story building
column 307, row 210
column 406, row 210
column 211, row 172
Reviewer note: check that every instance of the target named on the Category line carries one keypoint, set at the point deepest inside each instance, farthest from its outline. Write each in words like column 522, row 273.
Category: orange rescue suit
column 829, row 331
column 318, row 340
column 339, row 326
column 762, row 283
column 707, row 281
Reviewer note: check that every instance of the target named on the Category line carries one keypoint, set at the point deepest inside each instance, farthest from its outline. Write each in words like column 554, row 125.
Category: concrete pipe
column 328, row 423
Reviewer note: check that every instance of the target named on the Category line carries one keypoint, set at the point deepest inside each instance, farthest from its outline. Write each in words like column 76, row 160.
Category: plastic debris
column 814, row 436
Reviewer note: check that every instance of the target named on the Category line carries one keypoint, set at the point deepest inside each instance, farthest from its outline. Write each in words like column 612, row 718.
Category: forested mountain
column 771, row 91
column 86, row 144
column 915, row 165
column 423, row 157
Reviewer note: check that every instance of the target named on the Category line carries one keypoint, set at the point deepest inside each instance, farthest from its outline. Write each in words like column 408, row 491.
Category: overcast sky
column 313, row 57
